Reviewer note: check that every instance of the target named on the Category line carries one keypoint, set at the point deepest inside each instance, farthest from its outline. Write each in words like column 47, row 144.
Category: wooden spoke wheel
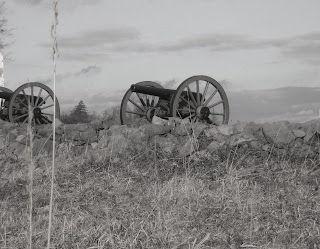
column 201, row 99
column 39, row 98
column 139, row 105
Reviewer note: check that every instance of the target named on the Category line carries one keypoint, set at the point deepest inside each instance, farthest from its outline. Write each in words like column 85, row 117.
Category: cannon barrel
column 7, row 96
column 160, row 92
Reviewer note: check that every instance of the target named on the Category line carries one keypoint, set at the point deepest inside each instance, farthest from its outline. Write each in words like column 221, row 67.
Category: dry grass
column 153, row 201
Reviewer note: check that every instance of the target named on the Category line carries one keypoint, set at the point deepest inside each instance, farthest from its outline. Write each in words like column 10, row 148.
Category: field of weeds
column 233, row 199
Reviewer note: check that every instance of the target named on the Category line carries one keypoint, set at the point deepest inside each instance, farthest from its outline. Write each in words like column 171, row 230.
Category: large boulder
column 117, row 144
column 213, row 146
column 97, row 124
column 167, row 143
column 214, row 134
column 240, row 139
column 188, row 145
column 278, row 134
column 154, row 129
column 2, row 141
column 159, row 121
column 226, row 130
column 181, row 129
column 137, row 122
column 42, row 146
column 312, row 129
column 212, row 131
column 117, row 129
column 298, row 133
column 239, row 127
column 198, row 128
column 82, row 133
column 255, row 130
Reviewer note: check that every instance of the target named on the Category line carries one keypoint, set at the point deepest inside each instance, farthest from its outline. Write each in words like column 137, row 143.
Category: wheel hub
column 202, row 112
column 37, row 112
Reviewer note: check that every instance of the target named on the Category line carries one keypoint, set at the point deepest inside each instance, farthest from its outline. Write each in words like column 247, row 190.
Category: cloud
column 31, row 2
column 305, row 112
column 98, row 38
column 81, row 55
column 68, row 4
column 95, row 44
column 104, row 42
column 87, row 71
column 170, row 84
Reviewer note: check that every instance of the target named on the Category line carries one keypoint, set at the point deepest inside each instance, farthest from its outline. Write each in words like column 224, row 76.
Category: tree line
column 80, row 114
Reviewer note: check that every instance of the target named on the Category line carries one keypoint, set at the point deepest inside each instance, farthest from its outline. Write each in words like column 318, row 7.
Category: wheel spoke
column 186, row 110
column 136, row 105
column 44, row 100
column 218, row 114
column 25, row 120
column 152, row 101
column 137, row 113
column 198, row 92
column 17, row 98
column 37, row 100
column 45, row 120
column 32, row 98
column 42, row 108
column 21, row 116
column 17, row 109
column 148, row 101
column 141, row 100
column 213, row 105
column 25, row 96
column 188, row 102
column 192, row 97
column 47, row 114
column 209, row 99
column 204, row 93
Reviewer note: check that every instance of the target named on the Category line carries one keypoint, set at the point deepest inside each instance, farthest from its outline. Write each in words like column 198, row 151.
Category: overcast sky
column 265, row 53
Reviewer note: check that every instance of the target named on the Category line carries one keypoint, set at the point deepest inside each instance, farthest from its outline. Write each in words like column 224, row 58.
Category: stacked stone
column 173, row 136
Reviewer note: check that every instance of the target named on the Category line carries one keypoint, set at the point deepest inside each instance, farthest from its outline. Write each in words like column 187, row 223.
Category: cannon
column 197, row 99
column 14, row 106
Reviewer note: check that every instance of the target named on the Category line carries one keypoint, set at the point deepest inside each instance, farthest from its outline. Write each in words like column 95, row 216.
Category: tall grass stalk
column 31, row 168
column 54, row 57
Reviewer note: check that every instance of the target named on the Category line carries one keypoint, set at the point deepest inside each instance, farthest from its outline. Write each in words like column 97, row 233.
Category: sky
column 264, row 53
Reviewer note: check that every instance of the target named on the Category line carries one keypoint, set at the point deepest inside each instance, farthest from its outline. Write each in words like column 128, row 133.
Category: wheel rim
column 40, row 99
column 201, row 99
column 137, row 105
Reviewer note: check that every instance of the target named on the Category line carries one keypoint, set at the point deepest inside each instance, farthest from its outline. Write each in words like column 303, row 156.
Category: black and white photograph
column 170, row 124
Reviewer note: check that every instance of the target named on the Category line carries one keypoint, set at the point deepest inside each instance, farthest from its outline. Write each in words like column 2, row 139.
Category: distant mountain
column 296, row 104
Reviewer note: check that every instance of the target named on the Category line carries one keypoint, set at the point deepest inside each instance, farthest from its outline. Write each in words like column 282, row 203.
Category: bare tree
column 5, row 32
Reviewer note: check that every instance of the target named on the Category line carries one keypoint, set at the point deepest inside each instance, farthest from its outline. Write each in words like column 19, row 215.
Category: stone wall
column 176, row 137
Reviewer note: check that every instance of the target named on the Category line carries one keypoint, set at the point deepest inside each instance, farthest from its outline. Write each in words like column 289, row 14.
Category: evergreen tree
column 79, row 114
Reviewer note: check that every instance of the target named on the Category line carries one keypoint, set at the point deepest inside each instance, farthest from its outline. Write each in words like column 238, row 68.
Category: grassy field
column 232, row 199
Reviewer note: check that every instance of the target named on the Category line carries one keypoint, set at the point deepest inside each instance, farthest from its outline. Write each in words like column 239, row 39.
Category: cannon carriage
column 197, row 99
column 31, row 101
